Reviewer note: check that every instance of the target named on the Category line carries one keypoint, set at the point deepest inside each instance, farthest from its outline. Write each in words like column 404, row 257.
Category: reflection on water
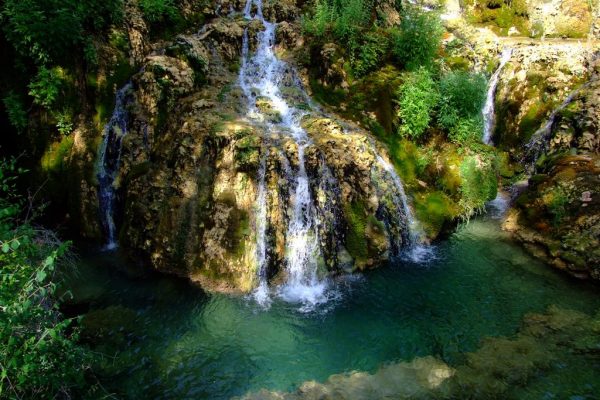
column 173, row 341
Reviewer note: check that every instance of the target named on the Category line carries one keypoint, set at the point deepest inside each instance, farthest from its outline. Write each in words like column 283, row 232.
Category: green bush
column 39, row 357
column 156, row 11
column 466, row 131
column 370, row 53
column 47, row 30
column 45, row 86
column 417, row 97
column 479, row 183
column 347, row 20
column 15, row 109
column 462, row 96
column 418, row 40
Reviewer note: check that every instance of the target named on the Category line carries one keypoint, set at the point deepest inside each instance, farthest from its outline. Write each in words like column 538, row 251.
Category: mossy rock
column 434, row 211
column 247, row 153
column 365, row 234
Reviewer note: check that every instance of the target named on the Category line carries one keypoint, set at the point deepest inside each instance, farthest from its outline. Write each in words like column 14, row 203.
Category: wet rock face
column 558, row 216
column 190, row 165
column 534, row 83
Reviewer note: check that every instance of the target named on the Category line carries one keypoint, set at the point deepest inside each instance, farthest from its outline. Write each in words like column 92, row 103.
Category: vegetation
column 39, row 355
column 418, row 40
column 417, row 98
column 462, row 96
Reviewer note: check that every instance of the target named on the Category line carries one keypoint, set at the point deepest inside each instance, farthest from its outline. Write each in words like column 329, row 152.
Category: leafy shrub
column 45, row 87
column 156, row 11
column 479, row 183
column 462, row 96
column 47, row 30
column 466, row 130
column 370, row 53
column 346, row 20
column 39, row 357
column 418, row 40
column 417, row 97
column 15, row 109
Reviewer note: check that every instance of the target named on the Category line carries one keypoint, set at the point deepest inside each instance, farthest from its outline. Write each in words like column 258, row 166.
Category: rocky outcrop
column 188, row 182
column 557, row 217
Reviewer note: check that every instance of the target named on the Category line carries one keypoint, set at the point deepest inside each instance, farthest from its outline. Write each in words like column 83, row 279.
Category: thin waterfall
column 415, row 250
column 261, row 294
column 540, row 140
column 109, row 161
column 260, row 74
column 488, row 111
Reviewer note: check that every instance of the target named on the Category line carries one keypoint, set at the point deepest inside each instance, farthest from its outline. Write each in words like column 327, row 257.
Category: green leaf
column 5, row 247
column 40, row 276
column 15, row 244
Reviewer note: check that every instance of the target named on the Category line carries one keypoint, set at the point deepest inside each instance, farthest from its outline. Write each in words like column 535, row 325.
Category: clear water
column 187, row 344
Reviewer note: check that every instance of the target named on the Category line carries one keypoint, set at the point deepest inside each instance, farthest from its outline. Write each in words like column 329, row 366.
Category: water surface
column 183, row 343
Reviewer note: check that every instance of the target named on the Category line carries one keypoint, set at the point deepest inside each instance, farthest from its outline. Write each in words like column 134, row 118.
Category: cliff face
column 557, row 216
column 199, row 178
column 192, row 162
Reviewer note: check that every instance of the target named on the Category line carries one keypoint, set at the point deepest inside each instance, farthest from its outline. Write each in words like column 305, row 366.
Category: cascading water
column 261, row 294
column 414, row 249
column 260, row 78
column 260, row 75
column 540, row 140
column 488, row 109
column 109, row 161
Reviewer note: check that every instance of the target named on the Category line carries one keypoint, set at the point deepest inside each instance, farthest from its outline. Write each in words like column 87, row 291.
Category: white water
column 539, row 141
column 261, row 294
column 415, row 250
column 260, row 76
column 109, row 161
column 488, row 111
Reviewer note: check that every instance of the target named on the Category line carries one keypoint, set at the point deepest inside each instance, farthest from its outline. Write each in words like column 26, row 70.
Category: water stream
column 488, row 111
column 260, row 76
column 540, row 140
column 109, row 161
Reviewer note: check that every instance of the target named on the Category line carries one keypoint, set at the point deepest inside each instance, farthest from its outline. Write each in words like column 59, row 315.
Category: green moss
column 247, row 153
column 356, row 242
column 434, row 210
column 55, row 158
column 326, row 95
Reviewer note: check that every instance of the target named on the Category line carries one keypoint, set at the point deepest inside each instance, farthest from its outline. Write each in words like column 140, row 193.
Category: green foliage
column 39, row 357
column 370, row 53
column 45, row 86
column 348, row 22
column 48, row 30
column 466, row 131
column 157, row 11
column 417, row 97
column 15, row 109
column 558, row 200
column 418, row 40
column 479, row 183
column 462, row 98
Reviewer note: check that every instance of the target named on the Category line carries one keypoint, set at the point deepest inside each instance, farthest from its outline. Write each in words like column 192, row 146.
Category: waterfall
column 109, row 161
column 261, row 294
column 414, row 249
column 540, row 140
column 488, row 108
column 260, row 75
